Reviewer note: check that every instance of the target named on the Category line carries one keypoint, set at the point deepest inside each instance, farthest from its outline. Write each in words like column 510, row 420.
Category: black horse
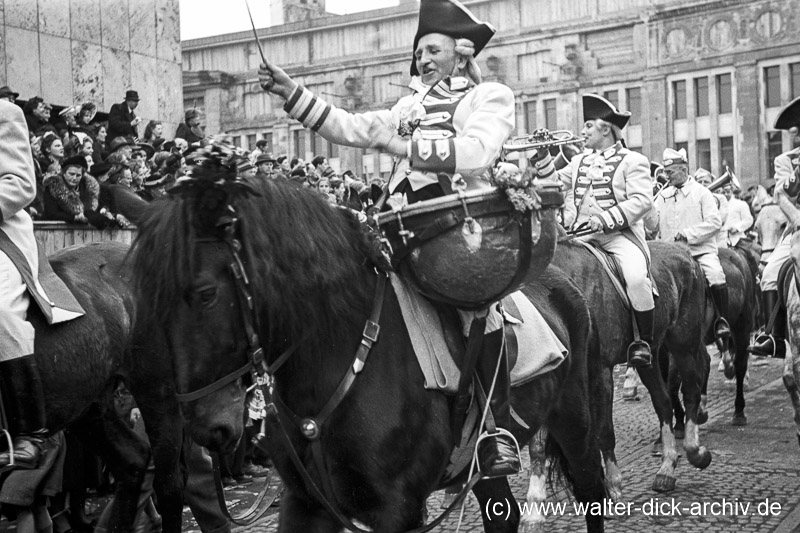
column 80, row 362
column 679, row 315
column 313, row 272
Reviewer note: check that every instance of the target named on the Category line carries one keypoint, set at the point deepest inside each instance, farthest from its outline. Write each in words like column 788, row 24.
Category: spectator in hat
column 283, row 165
column 122, row 121
column 7, row 94
column 155, row 186
column 261, row 148
column 140, row 169
column 246, row 169
column 264, row 166
column 121, row 145
column 85, row 115
column 191, row 128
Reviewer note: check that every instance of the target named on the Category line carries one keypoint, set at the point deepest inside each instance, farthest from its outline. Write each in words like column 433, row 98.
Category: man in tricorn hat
column 466, row 123
column 686, row 211
column 122, row 121
column 787, row 186
column 609, row 191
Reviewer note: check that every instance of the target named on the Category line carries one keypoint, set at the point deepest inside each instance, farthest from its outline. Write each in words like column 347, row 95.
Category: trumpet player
column 687, row 212
column 608, row 190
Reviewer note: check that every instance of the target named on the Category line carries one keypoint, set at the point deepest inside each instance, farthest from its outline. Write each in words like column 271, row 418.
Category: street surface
column 752, row 485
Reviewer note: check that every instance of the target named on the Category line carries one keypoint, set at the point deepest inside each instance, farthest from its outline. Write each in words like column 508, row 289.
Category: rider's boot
column 23, row 395
column 771, row 342
column 498, row 454
column 639, row 352
column 722, row 330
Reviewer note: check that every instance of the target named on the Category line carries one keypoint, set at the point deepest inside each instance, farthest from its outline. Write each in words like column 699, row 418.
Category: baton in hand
column 258, row 43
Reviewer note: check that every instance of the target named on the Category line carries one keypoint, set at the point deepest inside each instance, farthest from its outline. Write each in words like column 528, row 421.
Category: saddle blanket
column 533, row 348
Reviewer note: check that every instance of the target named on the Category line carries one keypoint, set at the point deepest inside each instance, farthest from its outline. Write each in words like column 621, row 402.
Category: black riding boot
column 24, row 400
column 771, row 342
column 722, row 330
column 497, row 454
column 639, row 352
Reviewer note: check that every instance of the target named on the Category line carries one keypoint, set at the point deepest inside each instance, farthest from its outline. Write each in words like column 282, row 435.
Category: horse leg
column 499, row 509
column 698, row 455
column 791, row 380
column 705, row 367
column 532, row 520
column 127, row 455
column 741, row 337
column 674, row 387
column 576, row 450
column 630, row 387
column 603, row 419
column 665, row 477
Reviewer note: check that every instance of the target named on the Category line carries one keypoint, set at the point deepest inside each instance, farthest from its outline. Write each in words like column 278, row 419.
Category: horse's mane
column 308, row 262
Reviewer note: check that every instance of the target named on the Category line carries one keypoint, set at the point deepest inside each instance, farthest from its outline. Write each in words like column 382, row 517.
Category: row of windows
column 701, row 101
column 772, row 84
column 703, row 152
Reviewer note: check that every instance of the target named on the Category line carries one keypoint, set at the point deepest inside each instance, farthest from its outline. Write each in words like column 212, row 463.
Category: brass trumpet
column 727, row 177
column 541, row 138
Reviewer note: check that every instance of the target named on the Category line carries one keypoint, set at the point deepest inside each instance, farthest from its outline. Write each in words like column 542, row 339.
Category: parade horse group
column 312, row 272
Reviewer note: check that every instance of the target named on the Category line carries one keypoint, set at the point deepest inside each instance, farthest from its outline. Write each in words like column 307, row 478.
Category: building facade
column 706, row 75
column 75, row 51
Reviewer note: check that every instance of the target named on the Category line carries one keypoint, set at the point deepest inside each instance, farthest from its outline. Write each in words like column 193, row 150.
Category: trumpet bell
column 727, row 177
column 540, row 139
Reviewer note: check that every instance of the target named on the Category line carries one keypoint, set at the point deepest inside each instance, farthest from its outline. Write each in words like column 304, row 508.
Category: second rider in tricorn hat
column 465, row 125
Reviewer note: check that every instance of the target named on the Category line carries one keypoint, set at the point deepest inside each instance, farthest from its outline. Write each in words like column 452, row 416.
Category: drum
column 470, row 249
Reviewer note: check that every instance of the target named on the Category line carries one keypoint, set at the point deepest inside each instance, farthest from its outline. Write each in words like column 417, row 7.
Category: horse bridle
column 310, row 427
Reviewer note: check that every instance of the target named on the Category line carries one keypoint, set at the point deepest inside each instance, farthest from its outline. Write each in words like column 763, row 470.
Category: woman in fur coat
column 72, row 195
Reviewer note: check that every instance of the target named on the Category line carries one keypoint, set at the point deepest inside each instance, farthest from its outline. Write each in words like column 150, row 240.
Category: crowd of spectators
column 102, row 173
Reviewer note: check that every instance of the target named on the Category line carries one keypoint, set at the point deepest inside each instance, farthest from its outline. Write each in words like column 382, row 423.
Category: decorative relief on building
column 705, row 33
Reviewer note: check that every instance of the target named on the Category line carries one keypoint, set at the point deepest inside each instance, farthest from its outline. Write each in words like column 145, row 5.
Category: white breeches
column 16, row 333
column 712, row 268
column 633, row 264
column 782, row 252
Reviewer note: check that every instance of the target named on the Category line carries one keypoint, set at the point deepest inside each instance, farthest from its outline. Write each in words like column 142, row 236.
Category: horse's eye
column 207, row 296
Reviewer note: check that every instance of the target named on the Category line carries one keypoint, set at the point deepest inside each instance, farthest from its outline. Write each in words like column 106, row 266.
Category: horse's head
column 201, row 311
column 770, row 224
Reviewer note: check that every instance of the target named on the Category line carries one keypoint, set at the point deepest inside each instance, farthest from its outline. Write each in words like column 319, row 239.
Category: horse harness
column 310, row 427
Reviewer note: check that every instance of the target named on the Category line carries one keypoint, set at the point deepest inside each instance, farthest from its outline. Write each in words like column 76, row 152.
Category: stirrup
column 720, row 323
column 630, row 358
column 496, row 433
column 761, row 339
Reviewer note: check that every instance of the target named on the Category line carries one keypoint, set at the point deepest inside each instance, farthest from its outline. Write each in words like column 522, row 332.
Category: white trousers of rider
column 16, row 333
column 712, row 268
column 633, row 264
column 782, row 252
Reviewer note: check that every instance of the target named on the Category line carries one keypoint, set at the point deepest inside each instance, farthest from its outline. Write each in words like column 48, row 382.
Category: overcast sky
column 201, row 18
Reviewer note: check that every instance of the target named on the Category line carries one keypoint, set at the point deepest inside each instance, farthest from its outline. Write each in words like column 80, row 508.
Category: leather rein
column 310, row 427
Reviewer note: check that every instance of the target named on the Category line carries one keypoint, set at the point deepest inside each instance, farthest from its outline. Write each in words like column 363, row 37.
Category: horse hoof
column 739, row 420
column 699, row 458
column 664, row 483
column 630, row 394
column 679, row 433
column 729, row 372
column 658, row 450
column 702, row 416
column 532, row 526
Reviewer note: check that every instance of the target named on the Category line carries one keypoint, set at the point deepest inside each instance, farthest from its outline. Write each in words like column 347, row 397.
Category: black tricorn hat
column 789, row 116
column 595, row 106
column 452, row 18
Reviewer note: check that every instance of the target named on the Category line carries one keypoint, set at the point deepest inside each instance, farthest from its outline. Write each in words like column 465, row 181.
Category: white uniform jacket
column 17, row 190
column 739, row 220
column 621, row 191
column 455, row 126
column 690, row 210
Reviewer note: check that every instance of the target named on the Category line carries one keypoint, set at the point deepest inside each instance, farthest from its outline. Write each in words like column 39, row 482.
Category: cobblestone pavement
column 755, row 469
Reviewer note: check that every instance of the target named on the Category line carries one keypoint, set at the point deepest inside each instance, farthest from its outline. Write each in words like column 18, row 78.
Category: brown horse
column 80, row 360
column 313, row 272
column 678, row 328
